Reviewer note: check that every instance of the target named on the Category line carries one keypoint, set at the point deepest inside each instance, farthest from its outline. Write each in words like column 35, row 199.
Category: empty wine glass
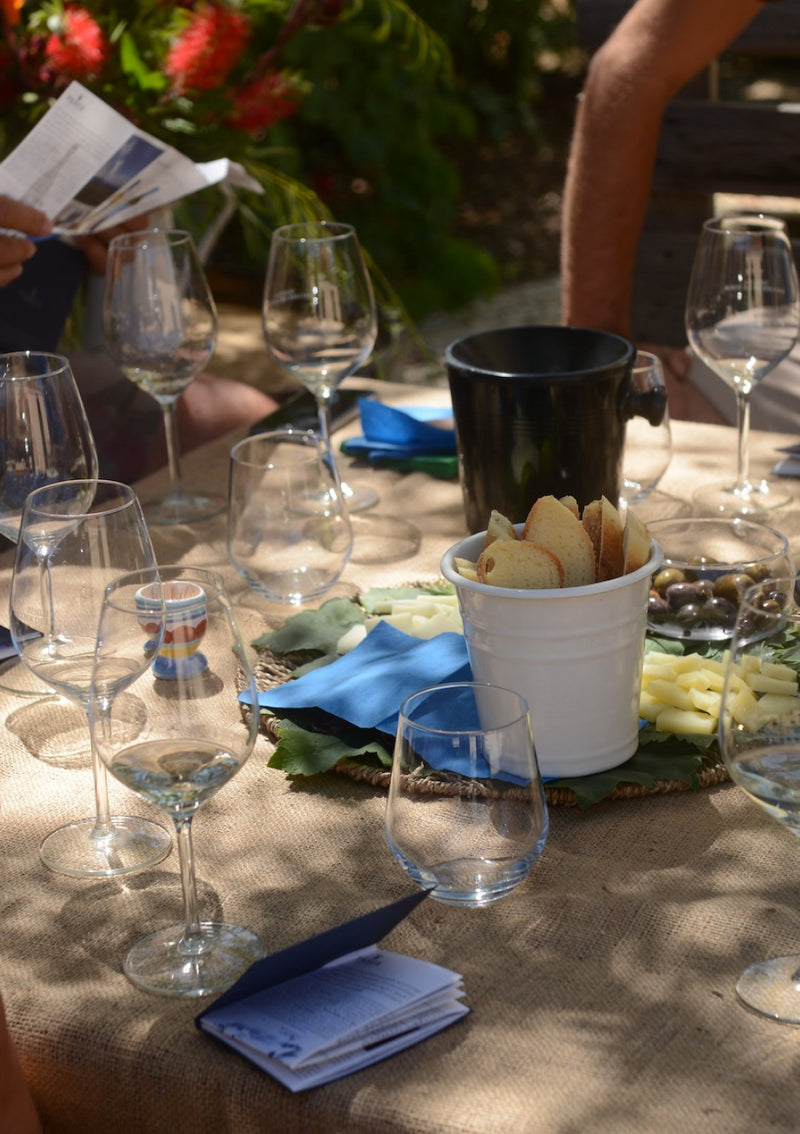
column 648, row 447
column 46, row 437
column 319, row 316
column 176, row 737
column 742, row 318
column 466, row 815
column 759, row 735
column 288, row 530
column 75, row 537
column 161, row 326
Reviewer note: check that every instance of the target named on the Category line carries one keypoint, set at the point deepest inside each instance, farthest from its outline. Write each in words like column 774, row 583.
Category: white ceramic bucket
column 575, row 654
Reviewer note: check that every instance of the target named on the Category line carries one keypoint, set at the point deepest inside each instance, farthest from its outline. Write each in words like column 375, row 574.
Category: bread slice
column 571, row 503
column 520, row 564
column 603, row 524
column 636, row 543
column 466, row 568
column 551, row 524
column 499, row 527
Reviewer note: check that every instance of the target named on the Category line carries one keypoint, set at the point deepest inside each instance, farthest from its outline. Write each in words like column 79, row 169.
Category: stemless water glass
column 288, row 529
column 648, row 448
column 466, row 815
column 161, row 327
column 75, row 537
column 759, row 735
column 46, row 437
column 742, row 318
column 319, row 314
column 175, row 737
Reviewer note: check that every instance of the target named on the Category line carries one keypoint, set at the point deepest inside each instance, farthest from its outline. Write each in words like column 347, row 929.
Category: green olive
column 667, row 577
column 732, row 586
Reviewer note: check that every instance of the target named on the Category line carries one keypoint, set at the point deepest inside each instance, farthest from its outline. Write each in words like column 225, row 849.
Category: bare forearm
column 656, row 49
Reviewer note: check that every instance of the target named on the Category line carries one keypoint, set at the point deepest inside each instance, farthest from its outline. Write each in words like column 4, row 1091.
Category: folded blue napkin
column 367, row 685
column 390, row 432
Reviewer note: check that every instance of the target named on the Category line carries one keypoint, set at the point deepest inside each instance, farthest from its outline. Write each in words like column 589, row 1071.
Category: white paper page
column 334, row 1005
column 337, row 1066
column 88, row 168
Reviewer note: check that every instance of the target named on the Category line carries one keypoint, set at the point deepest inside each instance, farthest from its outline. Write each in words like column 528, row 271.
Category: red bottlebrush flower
column 262, row 103
column 79, row 48
column 202, row 56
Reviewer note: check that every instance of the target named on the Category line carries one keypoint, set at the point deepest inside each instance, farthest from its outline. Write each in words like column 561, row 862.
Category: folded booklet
column 336, row 1003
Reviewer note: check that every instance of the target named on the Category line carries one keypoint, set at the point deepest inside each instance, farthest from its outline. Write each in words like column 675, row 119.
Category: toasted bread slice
column 551, row 524
column 499, row 527
column 636, row 543
column 520, row 564
column 466, row 568
column 603, row 523
column 571, row 503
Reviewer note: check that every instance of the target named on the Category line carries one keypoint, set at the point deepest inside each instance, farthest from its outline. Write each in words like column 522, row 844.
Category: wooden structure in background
column 708, row 145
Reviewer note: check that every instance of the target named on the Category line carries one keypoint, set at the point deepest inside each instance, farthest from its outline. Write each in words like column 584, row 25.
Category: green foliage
column 393, row 90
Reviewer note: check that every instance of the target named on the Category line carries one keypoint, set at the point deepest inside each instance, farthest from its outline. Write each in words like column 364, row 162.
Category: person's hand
column 95, row 245
column 686, row 402
column 15, row 250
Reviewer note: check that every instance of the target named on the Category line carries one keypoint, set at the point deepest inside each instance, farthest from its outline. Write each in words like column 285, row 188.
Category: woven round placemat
column 274, row 669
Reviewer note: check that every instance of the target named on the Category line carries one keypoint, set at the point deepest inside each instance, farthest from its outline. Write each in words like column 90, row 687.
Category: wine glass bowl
column 466, row 815
column 289, row 533
column 742, row 319
column 648, row 447
column 76, row 537
column 759, row 734
column 319, row 315
column 46, row 438
column 183, row 742
column 160, row 325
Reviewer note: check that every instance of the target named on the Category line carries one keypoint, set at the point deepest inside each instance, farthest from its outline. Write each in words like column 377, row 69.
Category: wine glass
column 466, row 815
column 161, row 327
column 175, row 738
column 75, row 537
column 319, row 316
column 46, row 437
column 289, row 533
column 742, row 318
column 648, row 447
column 759, row 735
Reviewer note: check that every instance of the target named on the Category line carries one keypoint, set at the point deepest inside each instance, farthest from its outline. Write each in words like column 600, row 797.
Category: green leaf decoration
column 644, row 769
column 377, row 599
column 313, row 629
column 301, row 753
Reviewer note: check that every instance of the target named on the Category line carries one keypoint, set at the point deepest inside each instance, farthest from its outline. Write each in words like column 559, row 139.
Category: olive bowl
column 708, row 565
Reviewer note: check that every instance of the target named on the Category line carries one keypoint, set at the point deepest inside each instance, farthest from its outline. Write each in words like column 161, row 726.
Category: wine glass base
column 359, row 499
column 160, row 964
column 15, row 677
column 750, row 499
column 82, row 851
column 772, row 988
column 183, row 508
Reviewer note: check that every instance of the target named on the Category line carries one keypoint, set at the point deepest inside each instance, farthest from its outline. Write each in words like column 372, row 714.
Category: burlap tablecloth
column 602, row 990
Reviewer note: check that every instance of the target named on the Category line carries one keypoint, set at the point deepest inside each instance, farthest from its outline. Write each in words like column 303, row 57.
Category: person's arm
column 15, row 250
column 658, row 47
column 17, row 1112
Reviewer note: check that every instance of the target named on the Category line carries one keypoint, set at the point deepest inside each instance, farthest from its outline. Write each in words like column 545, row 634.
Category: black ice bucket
column 541, row 410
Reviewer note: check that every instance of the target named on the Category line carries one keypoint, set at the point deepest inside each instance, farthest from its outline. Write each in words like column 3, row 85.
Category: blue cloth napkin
column 368, row 685
column 389, row 432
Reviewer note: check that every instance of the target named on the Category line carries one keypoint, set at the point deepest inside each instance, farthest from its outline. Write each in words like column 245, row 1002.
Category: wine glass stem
column 173, row 449
column 324, row 414
column 192, row 940
column 102, row 823
column 743, row 427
